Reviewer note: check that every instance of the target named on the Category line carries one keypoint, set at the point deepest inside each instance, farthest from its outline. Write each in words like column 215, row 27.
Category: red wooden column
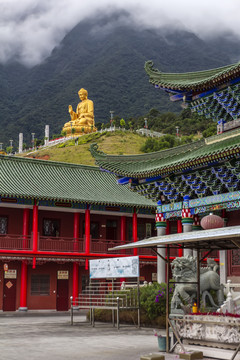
column 35, row 232
column 87, row 234
column 35, row 227
column 76, row 222
column 167, row 227
column 134, row 230
column 26, row 213
column 75, row 264
column 179, row 230
column 23, row 288
column 87, row 231
column 123, row 230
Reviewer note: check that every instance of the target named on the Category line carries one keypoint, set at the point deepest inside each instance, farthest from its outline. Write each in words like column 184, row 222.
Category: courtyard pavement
column 46, row 336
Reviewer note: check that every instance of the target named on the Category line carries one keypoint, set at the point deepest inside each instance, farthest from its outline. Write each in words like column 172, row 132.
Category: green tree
column 210, row 131
column 122, row 123
column 130, row 125
column 9, row 149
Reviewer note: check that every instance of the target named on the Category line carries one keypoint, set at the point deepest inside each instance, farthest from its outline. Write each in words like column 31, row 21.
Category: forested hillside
column 110, row 65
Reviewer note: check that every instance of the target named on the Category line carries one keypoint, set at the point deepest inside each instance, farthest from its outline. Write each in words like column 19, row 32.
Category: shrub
column 153, row 299
column 61, row 145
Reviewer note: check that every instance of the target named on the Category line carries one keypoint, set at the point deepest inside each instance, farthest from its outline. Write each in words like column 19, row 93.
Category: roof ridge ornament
column 94, row 150
column 149, row 67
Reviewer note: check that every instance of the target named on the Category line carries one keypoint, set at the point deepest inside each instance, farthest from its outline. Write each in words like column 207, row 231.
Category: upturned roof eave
column 195, row 161
column 191, row 81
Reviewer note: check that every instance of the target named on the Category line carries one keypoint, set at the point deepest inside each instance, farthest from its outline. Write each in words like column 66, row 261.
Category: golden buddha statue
column 83, row 119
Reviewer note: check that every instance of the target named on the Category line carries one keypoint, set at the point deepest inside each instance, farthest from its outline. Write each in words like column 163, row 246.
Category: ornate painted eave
column 187, row 157
column 192, row 81
column 212, row 93
column 205, row 168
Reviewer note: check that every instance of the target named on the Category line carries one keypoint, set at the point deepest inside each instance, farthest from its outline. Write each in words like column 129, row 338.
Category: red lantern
column 212, row 222
column 5, row 267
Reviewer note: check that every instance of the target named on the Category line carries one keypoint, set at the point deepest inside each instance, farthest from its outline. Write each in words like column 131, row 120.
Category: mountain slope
column 109, row 62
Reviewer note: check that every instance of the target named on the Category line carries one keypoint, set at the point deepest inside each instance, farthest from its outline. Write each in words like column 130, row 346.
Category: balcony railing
column 15, row 242
column 66, row 244
column 60, row 244
column 101, row 246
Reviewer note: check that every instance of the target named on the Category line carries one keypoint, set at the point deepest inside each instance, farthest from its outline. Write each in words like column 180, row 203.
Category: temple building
column 213, row 93
column 54, row 217
column 190, row 181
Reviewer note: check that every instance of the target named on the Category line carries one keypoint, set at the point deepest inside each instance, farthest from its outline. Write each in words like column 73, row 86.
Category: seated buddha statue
column 83, row 119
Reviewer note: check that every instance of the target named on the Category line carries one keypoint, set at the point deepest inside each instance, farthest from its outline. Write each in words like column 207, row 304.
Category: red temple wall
column 15, row 219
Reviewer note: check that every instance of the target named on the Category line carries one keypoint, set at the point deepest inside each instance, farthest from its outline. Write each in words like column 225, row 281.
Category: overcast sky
column 30, row 29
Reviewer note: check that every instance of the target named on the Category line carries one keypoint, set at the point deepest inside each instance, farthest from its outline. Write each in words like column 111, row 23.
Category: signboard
column 62, row 274
column 10, row 274
column 114, row 267
column 154, row 276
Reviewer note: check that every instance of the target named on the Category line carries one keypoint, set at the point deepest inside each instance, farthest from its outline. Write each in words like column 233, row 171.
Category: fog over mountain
column 30, row 29
column 106, row 55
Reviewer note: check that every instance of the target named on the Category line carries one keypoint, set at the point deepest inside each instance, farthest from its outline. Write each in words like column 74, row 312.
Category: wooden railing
column 60, row 244
column 101, row 246
column 65, row 244
column 15, row 242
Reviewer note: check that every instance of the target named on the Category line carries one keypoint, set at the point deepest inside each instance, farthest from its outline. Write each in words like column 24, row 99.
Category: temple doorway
column 9, row 294
column 62, row 291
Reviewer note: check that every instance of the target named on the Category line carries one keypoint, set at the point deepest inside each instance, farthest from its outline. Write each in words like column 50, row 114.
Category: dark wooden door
column 62, row 295
column 9, row 295
column 111, row 233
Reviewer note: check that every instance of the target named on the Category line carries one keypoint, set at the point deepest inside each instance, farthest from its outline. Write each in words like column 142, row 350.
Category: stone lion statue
column 184, row 269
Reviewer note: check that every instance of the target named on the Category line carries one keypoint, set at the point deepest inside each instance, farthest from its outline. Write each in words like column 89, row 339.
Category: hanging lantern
column 212, row 221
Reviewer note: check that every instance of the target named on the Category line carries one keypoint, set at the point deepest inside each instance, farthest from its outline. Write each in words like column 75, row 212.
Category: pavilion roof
column 226, row 238
column 202, row 153
column 48, row 180
column 192, row 81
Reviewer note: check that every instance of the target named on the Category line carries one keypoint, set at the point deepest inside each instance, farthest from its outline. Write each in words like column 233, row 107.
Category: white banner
column 114, row 267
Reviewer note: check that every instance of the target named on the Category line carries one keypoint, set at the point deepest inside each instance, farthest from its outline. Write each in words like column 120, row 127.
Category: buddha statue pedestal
column 79, row 129
column 82, row 121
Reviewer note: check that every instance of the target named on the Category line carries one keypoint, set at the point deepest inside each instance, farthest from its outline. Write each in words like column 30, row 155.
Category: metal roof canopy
column 226, row 238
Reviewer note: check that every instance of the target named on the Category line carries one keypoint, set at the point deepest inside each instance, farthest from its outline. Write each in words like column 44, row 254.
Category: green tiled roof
column 196, row 81
column 39, row 179
column 197, row 154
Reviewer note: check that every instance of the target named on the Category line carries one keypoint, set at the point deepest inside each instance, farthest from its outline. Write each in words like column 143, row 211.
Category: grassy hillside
column 116, row 143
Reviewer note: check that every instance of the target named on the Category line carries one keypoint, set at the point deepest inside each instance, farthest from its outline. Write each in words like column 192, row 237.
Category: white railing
column 232, row 302
column 149, row 133
column 61, row 140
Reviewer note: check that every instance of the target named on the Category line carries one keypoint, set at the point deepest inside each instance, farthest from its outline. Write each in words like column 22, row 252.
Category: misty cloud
column 30, row 29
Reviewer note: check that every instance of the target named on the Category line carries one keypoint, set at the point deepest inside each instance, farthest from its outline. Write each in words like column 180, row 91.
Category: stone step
column 152, row 357
column 211, row 352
